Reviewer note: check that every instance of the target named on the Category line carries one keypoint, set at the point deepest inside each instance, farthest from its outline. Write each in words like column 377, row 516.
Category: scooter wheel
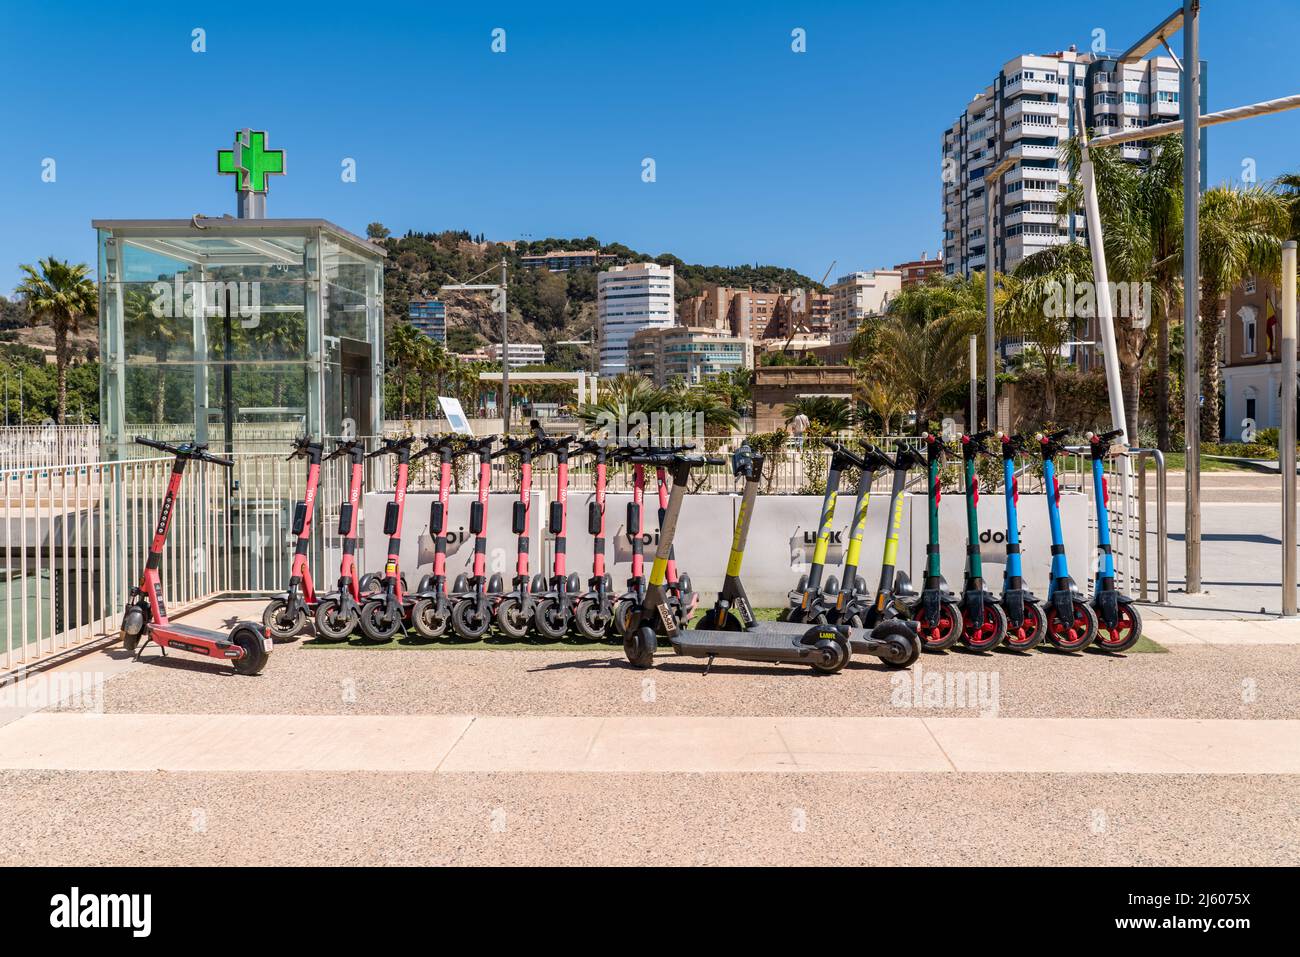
column 625, row 610
column 902, row 647
column 640, row 646
column 249, row 638
column 468, row 623
column 942, row 634
column 334, row 623
column 719, row 620
column 1072, row 635
column 551, row 619
column 1032, row 630
column 832, row 657
column 511, row 618
column 1125, row 634
column 282, row 625
column 369, row 582
column 429, row 619
column 376, row 622
column 132, row 628
column 591, row 619
column 988, row 633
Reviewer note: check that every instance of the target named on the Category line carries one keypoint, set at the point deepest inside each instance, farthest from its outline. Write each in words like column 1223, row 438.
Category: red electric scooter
column 285, row 616
column 339, row 612
column 594, row 612
column 247, row 647
column 472, row 598
column 555, row 609
column 432, row 611
column 384, row 611
column 517, row 607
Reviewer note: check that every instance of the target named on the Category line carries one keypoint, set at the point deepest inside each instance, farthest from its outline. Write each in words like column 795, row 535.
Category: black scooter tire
column 625, row 611
column 373, row 624
column 904, row 646
column 511, row 619
column 941, row 635
column 834, row 656
column 273, row 619
column 550, row 620
column 466, row 621
column 640, row 646
column 1085, row 621
column 992, row 630
column 1127, row 634
column 329, row 624
column 1032, row 630
column 249, row 638
column 426, row 620
column 591, row 620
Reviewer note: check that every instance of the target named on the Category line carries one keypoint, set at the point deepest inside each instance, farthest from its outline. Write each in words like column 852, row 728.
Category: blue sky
column 762, row 155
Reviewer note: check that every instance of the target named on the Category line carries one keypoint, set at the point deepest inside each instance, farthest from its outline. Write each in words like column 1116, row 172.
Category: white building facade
column 1026, row 114
column 521, row 354
column 859, row 296
column 628, row 299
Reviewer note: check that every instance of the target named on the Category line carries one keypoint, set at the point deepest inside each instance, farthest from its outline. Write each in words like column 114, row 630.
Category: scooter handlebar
column 187, row 449
column 391, row 447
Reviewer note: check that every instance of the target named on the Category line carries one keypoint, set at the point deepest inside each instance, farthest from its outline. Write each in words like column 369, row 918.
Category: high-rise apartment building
column 628, row 299
column 660, row 354
column 744, row 312
column 429, row 316
column 1026, row 114
column 859, row 296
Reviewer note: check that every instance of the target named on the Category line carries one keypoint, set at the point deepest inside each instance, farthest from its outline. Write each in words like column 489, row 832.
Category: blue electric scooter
column 1026, row 615
column 1071, row 622
column 1119, row 626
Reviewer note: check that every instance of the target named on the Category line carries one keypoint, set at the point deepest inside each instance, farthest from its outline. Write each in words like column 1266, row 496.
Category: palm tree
column 1141, row 209
column 60, row 294
column 829, row 413
column 1034, row 307
column 400, row 351
column 145, row 326
column 1289, row 186
column 1242, row 229
column 879, row 396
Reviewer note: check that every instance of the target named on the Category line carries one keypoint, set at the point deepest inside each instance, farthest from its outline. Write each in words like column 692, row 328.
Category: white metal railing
column 42, row 446
column 73, row 542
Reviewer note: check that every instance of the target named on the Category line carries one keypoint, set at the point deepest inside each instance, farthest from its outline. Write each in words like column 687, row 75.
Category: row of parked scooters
column 379, row 605
column 977, row 617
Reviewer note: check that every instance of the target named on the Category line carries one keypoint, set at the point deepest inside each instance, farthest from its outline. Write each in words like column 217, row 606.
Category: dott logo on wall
column 77, row 910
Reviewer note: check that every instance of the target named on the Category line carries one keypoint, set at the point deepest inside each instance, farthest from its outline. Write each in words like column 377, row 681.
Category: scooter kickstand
column 708, row 666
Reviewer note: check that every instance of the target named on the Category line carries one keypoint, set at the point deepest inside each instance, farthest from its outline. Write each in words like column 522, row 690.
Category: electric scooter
column 1071, row 622
column 472, row 603
column 631, row 600
column 431, row 613
column 892, row 641
column 1026, row 616
column 680, row 590
column 824, row 647
column 385, row 611
column 594, row 611
column 247, row 647
column 1119, row 626
column 339, row 612
column 810, row 601
column 555, row 608
column 936, row 610
column 285, row 616
column 984, row 623
column 853, row 602
column 517, row 608
column 895, row 597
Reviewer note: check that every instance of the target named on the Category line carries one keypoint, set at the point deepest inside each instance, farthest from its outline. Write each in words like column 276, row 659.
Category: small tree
column 60, row 294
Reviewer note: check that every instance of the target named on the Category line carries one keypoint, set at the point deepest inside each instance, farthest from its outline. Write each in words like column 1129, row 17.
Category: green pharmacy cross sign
column 250, row 162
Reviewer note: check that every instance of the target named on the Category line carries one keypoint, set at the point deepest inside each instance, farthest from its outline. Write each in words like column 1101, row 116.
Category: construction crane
column 793, row 328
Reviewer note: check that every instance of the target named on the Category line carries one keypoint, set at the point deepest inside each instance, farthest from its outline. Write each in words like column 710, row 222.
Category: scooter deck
column 860, row 640
column 746, row 645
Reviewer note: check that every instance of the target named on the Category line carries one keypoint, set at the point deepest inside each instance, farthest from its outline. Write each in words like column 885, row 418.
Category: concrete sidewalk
column 448, row 744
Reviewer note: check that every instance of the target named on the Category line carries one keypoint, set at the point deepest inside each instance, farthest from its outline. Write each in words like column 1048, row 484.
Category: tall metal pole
column 505, row 354
column 1287, row 439
column 1190, row 94
column 990, row 398
column 972, row 425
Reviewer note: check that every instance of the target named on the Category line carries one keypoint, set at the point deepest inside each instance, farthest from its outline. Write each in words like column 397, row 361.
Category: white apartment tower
column 1025, row 115
column 628, row 299
column 859, row 296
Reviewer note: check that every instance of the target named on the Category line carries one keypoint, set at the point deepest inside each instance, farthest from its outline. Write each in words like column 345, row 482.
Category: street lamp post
column 499, row 293
column 1191, row 109
column 991, row 181
column 1287, row 438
